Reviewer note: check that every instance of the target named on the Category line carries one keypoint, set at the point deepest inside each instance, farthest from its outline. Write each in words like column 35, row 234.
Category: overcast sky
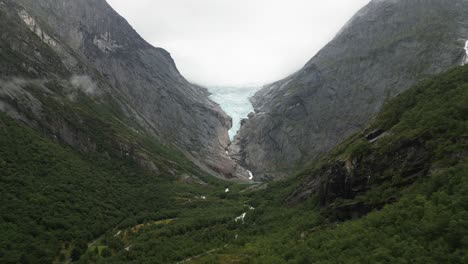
column 234, row 42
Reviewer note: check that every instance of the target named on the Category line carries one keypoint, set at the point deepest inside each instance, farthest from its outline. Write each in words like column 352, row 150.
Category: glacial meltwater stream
column 465, row 60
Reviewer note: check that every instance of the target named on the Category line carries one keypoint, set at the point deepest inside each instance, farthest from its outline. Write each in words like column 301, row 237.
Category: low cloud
column 84, row 84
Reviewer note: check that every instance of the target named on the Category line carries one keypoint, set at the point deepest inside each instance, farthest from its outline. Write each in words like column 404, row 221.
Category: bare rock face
column 385, row 48
column 144, row 77
column 348, row 178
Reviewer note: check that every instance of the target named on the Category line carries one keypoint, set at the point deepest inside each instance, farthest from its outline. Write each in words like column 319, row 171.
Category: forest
column 60, row 204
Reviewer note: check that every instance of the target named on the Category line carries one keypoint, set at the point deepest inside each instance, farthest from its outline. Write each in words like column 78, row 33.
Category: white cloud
column 83, row 83
column 229, row 42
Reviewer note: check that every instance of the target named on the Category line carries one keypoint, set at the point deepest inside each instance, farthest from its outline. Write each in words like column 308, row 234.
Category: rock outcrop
column 383, row 50
column 345, row 179
column 418, row 135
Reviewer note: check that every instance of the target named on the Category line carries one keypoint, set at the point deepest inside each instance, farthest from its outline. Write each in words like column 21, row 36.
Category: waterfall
column 250, row 175
column 465, row 59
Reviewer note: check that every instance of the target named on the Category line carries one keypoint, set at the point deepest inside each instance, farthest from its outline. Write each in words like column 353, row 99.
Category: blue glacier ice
column 235, row 102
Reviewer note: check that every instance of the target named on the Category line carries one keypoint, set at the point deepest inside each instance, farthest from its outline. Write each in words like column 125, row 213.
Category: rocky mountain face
column 420, row 134
column 383, row 50
column 87, row 46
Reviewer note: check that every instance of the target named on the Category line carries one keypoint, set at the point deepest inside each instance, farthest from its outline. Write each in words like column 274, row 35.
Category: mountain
column 86, row 48
column 87, row 143
column 107, row 154
column 395, row 192
column 382, row 51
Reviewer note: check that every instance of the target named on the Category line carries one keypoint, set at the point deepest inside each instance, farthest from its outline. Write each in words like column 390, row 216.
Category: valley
column 109, row 155
column 290, row 223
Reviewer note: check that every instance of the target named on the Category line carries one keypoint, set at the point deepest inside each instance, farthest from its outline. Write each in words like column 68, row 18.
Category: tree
column 78, row 250
column 75, row 254
column 106, row 252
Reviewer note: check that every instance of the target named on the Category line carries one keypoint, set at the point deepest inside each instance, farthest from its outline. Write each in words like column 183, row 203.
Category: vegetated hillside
column 85, row 47
column 396, row 192
column 76, row 158
column 75, row 106
column 55, row 201
column 384, row 49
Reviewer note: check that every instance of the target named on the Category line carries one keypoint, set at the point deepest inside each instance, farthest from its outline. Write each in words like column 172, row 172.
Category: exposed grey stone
column 384, row 49
column 88, row 35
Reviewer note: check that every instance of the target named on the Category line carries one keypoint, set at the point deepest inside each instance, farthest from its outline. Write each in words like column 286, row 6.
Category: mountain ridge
column 384, row 49
column 89, row 36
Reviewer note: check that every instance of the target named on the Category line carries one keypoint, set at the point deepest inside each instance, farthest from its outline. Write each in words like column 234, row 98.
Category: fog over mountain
column 234, row 47
column 230, row 43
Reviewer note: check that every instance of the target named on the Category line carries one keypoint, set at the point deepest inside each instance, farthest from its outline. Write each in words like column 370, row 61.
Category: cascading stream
column 235, row 102
column 465, row 60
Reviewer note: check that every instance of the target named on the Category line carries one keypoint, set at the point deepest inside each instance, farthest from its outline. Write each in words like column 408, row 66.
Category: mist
column 233, row 43
column 235, row 47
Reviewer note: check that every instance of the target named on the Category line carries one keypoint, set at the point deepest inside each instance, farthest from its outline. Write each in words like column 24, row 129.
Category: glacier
column 234, row 100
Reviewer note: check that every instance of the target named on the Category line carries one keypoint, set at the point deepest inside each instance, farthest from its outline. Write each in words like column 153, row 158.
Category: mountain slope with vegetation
column 77, row 158
column 86, row 48
column 55, row 200
column 372, row 199
column 86, row 176
column 387, row 47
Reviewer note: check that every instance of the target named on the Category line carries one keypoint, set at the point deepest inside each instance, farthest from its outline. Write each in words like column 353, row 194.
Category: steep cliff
column 383, row 50
column 396, row 192
column 418, row 135
column 92, row 43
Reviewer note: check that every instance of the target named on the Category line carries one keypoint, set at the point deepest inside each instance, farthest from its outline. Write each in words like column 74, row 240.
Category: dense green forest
column 82, row 181
column 54, row 199
column 425, row 219
column 59, row 204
